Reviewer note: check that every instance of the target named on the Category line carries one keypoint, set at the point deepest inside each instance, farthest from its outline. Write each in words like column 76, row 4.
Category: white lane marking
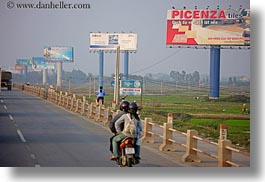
column 2, row 101
column 27, row 147
column 5, row 107
column 32, row 156
column 11, row 117
column 21, row 136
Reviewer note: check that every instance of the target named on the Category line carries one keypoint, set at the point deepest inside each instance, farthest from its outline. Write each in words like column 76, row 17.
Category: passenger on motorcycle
column 127, row 119
column 124, row 107
column 139, row 128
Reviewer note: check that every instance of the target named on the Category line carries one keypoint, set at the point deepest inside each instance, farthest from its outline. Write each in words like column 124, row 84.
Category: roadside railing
column 223, row 149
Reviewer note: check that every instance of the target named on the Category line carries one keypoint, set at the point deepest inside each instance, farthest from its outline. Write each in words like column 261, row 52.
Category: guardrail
column 100, row 113
column 93, row 111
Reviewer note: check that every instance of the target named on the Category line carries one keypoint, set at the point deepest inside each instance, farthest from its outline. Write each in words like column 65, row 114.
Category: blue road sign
column 130, row 87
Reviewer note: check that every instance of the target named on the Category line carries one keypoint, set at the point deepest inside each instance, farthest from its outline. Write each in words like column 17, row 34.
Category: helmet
column 133, row 107
column 124, row 106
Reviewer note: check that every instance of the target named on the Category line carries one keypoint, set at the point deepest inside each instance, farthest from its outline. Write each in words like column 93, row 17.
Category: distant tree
column 149, row 75
column 90, row 75
column 207, row 80
column 234, row 80
column 135, row 77
column 76, row 76
column 196, row 78
column 230, row 81
column 173, row 75
column 178, row 77
column 184, row 78
column 188, row 79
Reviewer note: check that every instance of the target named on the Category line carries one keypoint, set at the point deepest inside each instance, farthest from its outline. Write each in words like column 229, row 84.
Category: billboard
column 19, row 67
column 24, row 62
column 208, row 27
column 39, row 63
column 58, row 54
column 110, row 41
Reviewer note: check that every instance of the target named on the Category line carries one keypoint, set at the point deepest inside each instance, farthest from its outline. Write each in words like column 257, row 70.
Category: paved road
column 35, row 132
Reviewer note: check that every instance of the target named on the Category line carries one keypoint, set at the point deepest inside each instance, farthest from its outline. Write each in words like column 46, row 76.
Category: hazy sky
column 25, row 32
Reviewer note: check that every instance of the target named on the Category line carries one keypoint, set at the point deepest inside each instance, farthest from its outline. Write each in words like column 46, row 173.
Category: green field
column 227, row 110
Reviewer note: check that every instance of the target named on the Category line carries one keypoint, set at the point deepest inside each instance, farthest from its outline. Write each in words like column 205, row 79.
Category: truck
column 6, row 79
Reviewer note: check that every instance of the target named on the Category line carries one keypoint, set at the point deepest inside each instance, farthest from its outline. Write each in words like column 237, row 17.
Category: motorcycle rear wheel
column 129, row 162
column 123, row 160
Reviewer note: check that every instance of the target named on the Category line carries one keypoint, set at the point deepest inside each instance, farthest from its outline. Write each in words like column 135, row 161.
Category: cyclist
column 100, row 95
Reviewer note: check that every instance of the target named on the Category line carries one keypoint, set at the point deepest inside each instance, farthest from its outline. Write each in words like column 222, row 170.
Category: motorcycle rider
column 126, row 119
column 124, row 107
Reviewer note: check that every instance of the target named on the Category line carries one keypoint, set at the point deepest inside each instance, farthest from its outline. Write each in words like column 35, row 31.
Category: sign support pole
column 59, row 74
column 214, row 72
column 44, row 76
column 101, row 68
column 126, row 65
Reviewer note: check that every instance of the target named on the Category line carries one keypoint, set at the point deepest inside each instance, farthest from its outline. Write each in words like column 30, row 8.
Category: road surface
column 37, row 133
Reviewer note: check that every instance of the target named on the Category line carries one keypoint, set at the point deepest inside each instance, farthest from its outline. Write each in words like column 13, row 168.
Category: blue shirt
column 100, row 93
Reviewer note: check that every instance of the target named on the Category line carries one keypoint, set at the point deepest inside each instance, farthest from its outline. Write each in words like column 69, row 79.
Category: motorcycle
column 126, row 149
column 127, row 153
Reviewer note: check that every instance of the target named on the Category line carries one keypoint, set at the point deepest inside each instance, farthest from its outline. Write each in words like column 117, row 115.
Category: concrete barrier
column 92, row 111
column 167, row 144
column 191, row 144
column 147, row 133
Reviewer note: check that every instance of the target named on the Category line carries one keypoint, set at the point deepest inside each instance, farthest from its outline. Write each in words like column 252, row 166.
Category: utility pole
column 161, row 87
column 69, row 84
column 116, row 88
column 89, row 93
column 0, row 79
column 94, row 84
